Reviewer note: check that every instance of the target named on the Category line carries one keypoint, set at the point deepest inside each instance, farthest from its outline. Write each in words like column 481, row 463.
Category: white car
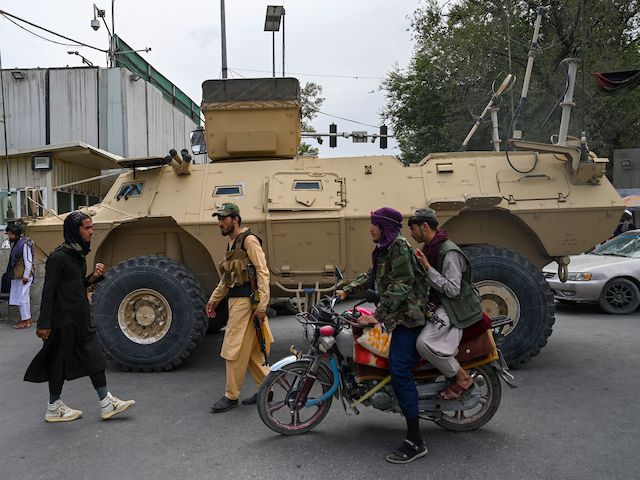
column 609, row 275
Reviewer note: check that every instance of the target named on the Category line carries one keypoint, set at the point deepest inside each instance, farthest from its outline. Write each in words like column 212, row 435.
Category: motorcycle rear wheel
column 487, row 380
column 278, row 393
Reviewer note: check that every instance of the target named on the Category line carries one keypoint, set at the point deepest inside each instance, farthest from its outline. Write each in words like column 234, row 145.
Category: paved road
column 574, row 417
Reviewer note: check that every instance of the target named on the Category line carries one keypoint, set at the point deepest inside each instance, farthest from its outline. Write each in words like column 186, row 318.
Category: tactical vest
column 18, row 268
column 463, row 310
column 234, row 269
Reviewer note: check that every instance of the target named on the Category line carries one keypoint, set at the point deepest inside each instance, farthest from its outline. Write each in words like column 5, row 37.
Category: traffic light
column 333, row 139
column 383, row 136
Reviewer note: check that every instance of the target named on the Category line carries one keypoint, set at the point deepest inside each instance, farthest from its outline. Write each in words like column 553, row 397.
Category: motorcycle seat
column 473, row 352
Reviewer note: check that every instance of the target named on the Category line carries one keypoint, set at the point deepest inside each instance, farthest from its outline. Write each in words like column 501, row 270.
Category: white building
column 65, row 125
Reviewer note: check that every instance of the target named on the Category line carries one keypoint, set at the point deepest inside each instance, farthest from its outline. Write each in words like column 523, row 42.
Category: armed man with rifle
column 244, row 278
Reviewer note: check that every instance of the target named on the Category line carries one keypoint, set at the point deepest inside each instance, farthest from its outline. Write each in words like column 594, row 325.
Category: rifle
column 255, row 300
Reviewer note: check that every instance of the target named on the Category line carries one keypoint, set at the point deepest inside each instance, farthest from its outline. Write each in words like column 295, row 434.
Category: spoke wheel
column 276, row 400
column 486, row 380
column 620, row 296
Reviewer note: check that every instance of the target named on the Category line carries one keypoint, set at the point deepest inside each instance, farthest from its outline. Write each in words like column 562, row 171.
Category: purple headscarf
column 390, row 221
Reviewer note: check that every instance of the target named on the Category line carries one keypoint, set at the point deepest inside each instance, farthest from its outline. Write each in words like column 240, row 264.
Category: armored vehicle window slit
column 129, row 190
column 307, row 185
column 228, row 190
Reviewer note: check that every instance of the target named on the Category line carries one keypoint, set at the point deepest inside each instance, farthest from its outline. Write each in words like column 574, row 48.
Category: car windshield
column 625, row 245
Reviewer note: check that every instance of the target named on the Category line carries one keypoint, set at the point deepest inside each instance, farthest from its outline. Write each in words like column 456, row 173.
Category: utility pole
column 223, row 32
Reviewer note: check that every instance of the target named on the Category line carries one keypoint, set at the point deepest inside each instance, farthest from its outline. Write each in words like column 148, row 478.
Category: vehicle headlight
column 579, row 276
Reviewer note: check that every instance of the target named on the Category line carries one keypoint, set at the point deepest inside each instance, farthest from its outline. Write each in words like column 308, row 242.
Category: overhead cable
column 7, row 14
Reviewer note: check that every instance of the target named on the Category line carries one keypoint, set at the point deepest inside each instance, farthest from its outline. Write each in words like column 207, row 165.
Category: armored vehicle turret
column 155, row 231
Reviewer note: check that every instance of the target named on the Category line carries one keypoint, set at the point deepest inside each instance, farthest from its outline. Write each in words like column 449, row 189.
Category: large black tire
column 619, row 296
column 150, row 313
column 511, row 285
column 487, row 381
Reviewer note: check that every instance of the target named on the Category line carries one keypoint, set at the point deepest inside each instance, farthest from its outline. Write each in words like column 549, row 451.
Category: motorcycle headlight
column 579, row 276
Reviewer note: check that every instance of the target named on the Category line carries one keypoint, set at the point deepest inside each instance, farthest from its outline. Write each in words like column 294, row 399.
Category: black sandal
column 408, row 452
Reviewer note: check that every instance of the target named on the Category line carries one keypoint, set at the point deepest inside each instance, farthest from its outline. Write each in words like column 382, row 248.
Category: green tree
column 460, row 53
column 311, row 102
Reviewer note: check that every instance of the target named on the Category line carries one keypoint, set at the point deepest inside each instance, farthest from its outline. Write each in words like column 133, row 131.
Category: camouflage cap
column 226, row 209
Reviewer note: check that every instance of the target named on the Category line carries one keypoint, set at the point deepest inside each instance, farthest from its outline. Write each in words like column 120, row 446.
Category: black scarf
column 72, row 238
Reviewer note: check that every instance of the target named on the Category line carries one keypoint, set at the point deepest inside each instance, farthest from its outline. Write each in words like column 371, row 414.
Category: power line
column 353, row 77
column 7, row 14
column 40, row 36
column 349, row 120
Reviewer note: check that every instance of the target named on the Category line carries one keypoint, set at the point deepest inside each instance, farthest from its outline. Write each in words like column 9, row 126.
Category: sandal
column 408, row 452
column 455, row 391
column 22, row 324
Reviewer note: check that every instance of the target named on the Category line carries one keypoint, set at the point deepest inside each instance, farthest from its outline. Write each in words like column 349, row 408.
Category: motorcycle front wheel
column 278, row 393
column 486, row 379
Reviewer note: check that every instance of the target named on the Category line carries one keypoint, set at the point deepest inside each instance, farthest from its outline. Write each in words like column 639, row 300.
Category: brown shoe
column 22, row 324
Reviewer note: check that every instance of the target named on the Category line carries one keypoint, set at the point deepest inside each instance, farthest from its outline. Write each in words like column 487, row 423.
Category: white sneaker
column 59, row 412
column 110, row 406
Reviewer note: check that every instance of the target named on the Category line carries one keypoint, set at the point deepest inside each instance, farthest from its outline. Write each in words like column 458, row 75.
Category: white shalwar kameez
column 19, row 294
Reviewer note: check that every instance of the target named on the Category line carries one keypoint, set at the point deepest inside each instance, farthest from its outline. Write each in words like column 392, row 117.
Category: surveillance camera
column 95, row 24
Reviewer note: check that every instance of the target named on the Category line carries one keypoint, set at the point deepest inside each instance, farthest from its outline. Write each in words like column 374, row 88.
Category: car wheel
column 619, row 297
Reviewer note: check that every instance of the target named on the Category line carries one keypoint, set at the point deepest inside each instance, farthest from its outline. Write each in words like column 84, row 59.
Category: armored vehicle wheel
column 150, row 313
column 619, row 297
column 509, row 284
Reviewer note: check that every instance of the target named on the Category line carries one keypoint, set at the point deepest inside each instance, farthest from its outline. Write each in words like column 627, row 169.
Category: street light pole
column 275, row 14
column 283, row 12
column 273, row 52
column 113, row 35
column 223, row 32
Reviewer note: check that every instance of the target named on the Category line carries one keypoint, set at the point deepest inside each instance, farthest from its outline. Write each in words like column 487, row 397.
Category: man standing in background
column 20, row 270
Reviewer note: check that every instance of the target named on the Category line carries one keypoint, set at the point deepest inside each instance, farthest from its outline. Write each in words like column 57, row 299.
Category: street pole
column 283, row 12
column 9, row 216
column 223, row 32
column 273, row 52
column 112, row 46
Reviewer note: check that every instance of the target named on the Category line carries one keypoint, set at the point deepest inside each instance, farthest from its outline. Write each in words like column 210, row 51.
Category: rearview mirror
column 198, row 142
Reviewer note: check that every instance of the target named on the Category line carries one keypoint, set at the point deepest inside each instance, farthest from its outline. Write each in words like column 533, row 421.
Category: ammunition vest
column 463, row 310
column 234, row 269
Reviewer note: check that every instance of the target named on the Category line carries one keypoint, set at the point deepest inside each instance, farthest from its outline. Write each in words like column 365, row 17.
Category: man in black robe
column 71, row 348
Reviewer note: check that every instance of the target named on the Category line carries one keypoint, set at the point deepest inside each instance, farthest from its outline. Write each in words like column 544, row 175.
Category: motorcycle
column 297, row 393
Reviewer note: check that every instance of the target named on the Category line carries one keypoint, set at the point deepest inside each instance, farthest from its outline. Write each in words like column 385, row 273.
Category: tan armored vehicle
column 155, row 232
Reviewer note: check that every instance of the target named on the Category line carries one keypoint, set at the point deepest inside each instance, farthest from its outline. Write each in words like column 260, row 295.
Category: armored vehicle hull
column 155, row 233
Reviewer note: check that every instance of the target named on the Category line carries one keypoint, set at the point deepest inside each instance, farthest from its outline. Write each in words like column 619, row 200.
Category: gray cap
column 425, row 214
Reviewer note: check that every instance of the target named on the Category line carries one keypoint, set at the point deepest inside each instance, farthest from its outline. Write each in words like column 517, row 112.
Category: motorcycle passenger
column 452, row 300
column 401, row 310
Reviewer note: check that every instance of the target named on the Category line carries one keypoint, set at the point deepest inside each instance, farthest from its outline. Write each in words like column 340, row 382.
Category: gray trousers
column 438, row 344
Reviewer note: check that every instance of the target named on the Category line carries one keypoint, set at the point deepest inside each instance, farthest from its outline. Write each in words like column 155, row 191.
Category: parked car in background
column 609, row 275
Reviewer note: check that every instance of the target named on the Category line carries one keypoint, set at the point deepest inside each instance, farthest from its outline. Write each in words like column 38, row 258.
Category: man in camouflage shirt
column 401, row 310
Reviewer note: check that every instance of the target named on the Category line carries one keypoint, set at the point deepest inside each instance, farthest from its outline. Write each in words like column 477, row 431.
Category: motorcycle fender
column 283, row 362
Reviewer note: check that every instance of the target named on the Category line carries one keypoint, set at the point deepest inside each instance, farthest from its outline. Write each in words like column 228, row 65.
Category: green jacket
column 463, row 310
column 403, row 292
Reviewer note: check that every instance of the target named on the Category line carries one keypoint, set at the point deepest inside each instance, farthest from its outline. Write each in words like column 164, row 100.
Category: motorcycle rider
column 401, row 310
column 452, row 300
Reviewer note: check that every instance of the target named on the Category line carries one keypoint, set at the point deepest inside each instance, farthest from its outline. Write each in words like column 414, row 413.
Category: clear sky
column 329, row 42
